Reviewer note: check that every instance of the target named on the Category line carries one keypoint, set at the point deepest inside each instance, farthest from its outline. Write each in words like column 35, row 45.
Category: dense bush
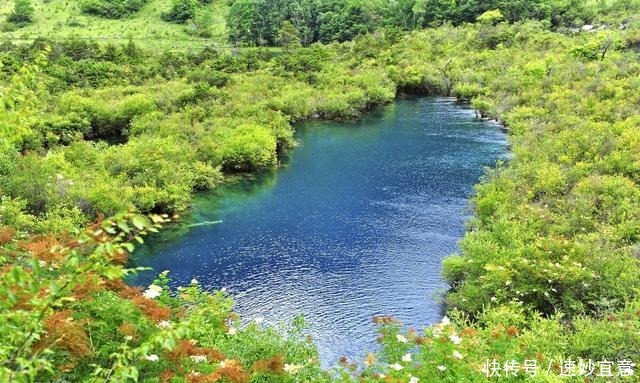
column 22, row 13
column 181, row 11
column 112, row 9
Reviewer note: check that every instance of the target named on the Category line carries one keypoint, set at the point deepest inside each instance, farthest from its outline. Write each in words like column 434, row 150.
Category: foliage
column 548, row 271
column 22, row 13
column 67, row 315
column 181, row 11
column 258, row 22
column 112, row 9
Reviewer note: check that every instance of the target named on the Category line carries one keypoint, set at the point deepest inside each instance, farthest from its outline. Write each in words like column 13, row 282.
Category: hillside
column 61, row 19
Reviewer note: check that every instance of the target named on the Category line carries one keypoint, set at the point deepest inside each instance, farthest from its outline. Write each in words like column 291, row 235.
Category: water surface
column 355, row 224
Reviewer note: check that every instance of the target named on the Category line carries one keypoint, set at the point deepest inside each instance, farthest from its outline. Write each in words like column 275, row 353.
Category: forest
column 103, row 143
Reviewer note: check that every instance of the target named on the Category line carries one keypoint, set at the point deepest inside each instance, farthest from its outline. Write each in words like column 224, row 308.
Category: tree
column 288, row 36
column 22, row 12
column 491, row 17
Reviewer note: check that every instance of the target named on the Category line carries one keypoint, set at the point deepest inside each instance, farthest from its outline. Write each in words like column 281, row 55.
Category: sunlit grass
column 61, row 19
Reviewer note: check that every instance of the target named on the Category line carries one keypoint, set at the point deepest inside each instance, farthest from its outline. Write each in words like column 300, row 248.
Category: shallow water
column 354, row 225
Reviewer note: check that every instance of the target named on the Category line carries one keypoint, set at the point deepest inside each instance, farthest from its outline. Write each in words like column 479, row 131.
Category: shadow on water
column 354, row 224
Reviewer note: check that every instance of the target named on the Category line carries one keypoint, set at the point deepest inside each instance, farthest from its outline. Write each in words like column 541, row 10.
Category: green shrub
column 247, row 148
column 112, row 9
column 181, row 11
column 22, row 13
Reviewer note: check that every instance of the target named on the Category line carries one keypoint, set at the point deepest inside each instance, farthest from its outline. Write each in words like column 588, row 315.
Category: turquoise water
column 355, row 224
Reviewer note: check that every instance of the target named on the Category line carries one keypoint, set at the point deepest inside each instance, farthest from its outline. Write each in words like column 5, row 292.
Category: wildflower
column 292, row 368
column 369, row 360
column 224, row 289
column 396, row 366
column 455, row 339
column 232, row 331
column 413, row 379
column 42, row 263
column 457, row 355
column 152, row 292
column 442, row 368
column 406, row 358
column 199, row 358
column 401, row 338
column 223, row 364
column 194, row 281
column 164, row 324
column 493, row 299
column 445, row 321
column 128, row 337
column 381, row 376
column 259, row 320
column 152, row 358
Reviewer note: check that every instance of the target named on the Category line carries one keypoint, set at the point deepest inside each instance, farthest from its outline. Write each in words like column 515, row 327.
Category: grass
column 63, row 19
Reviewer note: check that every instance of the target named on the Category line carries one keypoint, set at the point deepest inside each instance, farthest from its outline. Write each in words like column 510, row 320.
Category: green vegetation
column 112, row 9
column 22, row 13
column 116, row 22
column 258, row 22
column 549, row 270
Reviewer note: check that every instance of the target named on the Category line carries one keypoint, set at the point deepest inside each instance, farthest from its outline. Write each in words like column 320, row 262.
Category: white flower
column 223, row 363
column 493, row 299
column 396, row 366
column 153, row 291
column 152, row 358
column 401, row 338
column 442, row 368
column 42, row 263
column 199, row 358
column 457, row 355
column 224, row 289
column 406, row 358
column 259, row 320
column 232, row 331
column 164, row 324
column 455, row 339
column 413, row 379
column 292, row 368
column 446, row 321
column 381, row 376
column 128, row 337
column 194, row 281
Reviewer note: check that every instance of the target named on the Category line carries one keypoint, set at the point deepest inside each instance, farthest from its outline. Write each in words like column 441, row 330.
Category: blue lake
column 354, row 224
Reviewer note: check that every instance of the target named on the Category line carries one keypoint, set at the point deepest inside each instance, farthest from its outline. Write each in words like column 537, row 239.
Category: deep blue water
column 355, row 224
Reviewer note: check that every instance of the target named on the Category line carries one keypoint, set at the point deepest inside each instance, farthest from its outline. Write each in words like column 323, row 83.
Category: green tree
column 22, row 12
column 491, row 17
column 288, row 36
